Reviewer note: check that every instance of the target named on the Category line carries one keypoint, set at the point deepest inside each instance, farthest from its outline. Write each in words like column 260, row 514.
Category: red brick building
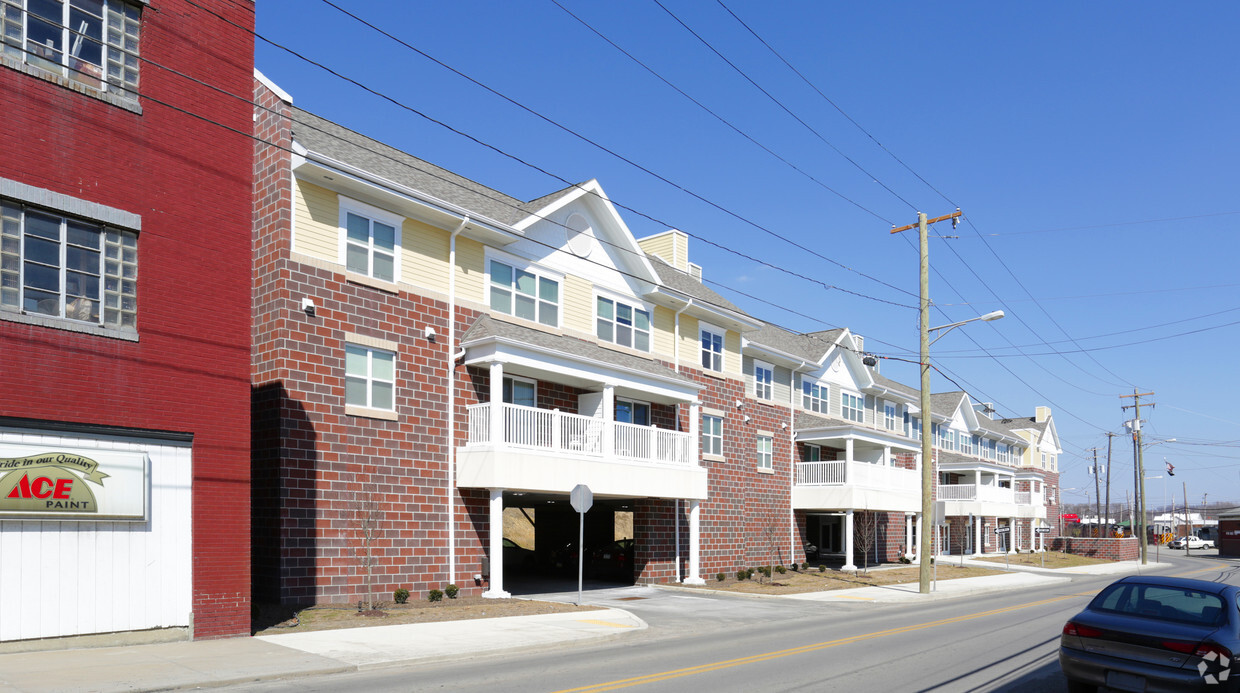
column 126, row 196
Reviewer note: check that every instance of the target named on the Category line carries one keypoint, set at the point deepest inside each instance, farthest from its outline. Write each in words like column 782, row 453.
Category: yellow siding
column 660, row 246
column 318, row 222
column 471, row 271
column 664, row 324
column 732, row 353
column 424, row 256
column 577, row 301
column 690, row 341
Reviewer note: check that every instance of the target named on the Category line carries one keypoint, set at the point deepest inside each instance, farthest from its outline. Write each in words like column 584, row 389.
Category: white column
column 609, row 420
column 695, row 544
column 977, row 536
column 848, row 450
column 886, row 455
column 848, row 534
column 908, row 535
column 497, row 403
column 917, row 533
column 695, row 432
column 1012, row 537
column 496, row 544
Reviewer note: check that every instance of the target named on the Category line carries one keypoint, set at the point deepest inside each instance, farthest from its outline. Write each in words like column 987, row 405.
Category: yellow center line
column 753, row 659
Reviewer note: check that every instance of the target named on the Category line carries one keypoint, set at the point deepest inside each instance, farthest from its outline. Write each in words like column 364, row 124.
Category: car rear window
column 1179, row 604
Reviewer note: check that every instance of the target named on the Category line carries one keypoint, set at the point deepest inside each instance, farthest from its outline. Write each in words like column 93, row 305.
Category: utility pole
column 928, row 549
column 1188, row 525
column 1097, row 497
column 1139, row 466
column 1108, row 506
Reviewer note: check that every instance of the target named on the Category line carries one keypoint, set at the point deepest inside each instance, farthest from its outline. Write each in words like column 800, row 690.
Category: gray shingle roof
column 788, row 342
column 686, row 284
column 486, row 326
column 890, row 384
column 325, row 137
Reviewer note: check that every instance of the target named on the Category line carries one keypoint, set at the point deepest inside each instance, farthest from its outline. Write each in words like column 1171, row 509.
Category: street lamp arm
column 994, row 315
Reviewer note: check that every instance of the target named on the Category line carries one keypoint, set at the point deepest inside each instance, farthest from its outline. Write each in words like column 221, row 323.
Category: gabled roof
column 339, row 143
column 787, row 342
column 686, row 284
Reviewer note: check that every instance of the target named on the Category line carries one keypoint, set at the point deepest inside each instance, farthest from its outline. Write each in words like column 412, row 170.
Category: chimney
column 1041, row 414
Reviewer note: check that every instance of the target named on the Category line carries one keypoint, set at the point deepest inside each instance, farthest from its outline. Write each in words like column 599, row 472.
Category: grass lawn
column 1053, row 559
column 814, row 581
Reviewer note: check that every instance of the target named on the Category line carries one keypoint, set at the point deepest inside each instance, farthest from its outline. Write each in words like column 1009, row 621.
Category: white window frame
column 715, row 356
column 813, row 453
column 712, row 440
column 763, row 380
column 524, row 381
column 616, row 326
column 369, row 379
column 852, row 404
column 820, row 402
column 635, row 405
column 372, row 215
column 765, row 449
column 891, row 411
column 540, row 274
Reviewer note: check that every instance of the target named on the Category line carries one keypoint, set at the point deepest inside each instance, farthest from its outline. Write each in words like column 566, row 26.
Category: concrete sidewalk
column 208, row 663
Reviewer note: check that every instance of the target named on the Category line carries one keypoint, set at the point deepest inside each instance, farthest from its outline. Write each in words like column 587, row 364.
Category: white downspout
column 452, row 357
column 792, row 465
column 676, row 363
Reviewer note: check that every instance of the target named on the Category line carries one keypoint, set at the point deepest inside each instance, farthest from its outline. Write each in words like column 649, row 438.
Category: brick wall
column 188, row 175
column 1127, row 549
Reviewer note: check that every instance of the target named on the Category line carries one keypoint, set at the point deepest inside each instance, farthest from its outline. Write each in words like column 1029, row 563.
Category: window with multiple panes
column 519, row 391
column 766, row 456
column 712, row 349
column 94, row 42
column 623, row 324
column 852, row 407
column 524, row 293
column 1004, row 454
column 370, row 377
column 966, row 443
column 628, row 411
column 814, row 396
column 763, row 379
column 371, row 241
column 912, row 425
column 712, row 435
column 889, row 416
column 67, row 268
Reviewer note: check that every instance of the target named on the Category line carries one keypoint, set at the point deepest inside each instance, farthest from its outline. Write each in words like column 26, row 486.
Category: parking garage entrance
column 541, row 543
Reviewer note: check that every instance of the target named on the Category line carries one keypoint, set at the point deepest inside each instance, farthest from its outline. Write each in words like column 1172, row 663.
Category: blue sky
column 1091, row 146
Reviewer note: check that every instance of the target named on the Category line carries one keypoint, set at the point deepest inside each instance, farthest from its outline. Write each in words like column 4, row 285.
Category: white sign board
column 65, row 483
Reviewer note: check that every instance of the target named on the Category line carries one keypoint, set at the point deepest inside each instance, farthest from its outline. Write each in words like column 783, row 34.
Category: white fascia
column 716, row 315
column 777, row 357
column 402, row 193
column 844, row 432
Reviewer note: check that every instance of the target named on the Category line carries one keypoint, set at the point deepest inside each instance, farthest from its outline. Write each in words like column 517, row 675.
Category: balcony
column 965, row 499
column 841, row 484
column 549, row 450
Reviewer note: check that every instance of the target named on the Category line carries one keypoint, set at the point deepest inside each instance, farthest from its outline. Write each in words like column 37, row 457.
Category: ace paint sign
column 63, row 483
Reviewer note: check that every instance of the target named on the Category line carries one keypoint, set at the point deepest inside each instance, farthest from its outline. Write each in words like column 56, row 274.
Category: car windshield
column 1162, row 602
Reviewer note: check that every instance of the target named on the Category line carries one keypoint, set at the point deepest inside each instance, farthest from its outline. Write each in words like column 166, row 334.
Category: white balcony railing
column 557, row 431
column 973, row 492
column 840, row 472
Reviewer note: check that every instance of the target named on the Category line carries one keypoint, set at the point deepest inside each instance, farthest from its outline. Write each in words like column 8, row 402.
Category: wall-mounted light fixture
column 307, row 305
column 739, row 404
column 430, row 334
column 746, row 418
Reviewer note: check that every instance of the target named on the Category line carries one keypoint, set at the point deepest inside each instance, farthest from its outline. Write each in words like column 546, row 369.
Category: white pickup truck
column 1193, row 543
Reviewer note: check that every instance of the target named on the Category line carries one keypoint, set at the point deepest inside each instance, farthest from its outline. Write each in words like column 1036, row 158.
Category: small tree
column 366, row 515
column 866, row 536
column 770, row 537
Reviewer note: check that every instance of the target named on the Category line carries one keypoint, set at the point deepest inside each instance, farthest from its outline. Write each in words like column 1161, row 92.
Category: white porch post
column 695, row 427
column 695, row 544
column 497, row 403
column 886, row 455
column 609, row 420
column 848, row 450
column 848, row 532
column 496, row 543
column 978, row 536
column 908, row 535
column 917, row 532
column 1013, row 541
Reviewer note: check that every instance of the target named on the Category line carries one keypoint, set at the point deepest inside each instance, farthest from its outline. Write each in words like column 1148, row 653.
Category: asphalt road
column 996, row 642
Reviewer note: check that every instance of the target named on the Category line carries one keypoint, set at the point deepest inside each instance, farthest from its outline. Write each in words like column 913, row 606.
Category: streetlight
column 923, row 323
column 993, row 315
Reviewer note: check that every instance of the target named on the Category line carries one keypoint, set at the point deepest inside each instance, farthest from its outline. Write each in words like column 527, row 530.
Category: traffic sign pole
column 582, row 500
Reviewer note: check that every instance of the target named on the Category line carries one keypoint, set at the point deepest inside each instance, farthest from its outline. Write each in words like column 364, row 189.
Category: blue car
column 1153, row 634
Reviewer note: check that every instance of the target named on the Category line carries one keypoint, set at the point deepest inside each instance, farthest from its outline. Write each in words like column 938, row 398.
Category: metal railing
column 557, row 431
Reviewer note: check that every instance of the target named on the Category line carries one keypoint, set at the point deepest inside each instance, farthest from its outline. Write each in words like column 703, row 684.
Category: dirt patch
column 277, row 620
column 1053, row 559
column 814, row 581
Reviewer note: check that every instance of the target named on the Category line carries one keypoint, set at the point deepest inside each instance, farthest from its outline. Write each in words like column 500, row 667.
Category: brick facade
column 1126, row 549
column 188, row 176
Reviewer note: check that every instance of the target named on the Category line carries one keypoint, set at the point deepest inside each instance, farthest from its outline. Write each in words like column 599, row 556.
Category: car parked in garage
column 1145, row 633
